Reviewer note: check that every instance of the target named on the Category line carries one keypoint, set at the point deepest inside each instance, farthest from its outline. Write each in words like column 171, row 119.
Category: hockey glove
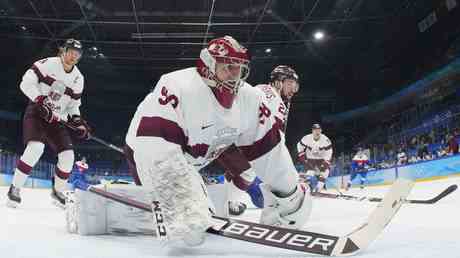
column 81, row 127
column 45, row 109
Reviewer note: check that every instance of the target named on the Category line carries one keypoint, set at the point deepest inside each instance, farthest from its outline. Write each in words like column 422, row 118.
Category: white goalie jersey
column 183, row 114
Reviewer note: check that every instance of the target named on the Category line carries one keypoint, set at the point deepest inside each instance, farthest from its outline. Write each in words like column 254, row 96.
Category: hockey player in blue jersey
column 359, row 166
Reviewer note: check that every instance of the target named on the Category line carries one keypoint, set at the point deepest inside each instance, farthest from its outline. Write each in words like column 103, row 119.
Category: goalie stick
column 298, row 240
column 433, row 200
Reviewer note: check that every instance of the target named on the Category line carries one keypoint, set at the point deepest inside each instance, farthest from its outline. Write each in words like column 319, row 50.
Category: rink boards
column 421, row 171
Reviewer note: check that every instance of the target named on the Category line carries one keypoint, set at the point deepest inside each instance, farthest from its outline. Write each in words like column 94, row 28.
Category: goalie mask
column 224, row 66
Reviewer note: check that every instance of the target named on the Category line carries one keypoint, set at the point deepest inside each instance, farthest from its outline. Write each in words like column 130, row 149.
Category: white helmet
column 225, row 50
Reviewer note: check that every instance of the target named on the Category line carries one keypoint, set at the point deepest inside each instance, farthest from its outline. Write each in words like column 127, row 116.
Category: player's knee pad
column 292, row 211
column 91, row 214
column 65, row 160
column 33, row 152
column 182, row 197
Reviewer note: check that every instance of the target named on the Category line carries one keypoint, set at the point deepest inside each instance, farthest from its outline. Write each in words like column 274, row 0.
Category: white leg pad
column 183, row 199
column 290, row 212
column 90, row 214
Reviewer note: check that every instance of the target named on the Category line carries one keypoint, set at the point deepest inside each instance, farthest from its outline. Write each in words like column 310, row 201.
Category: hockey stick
column 433, row 200
column 298, row 240
column 96, row 139
column 109, row 145
column 288, row 108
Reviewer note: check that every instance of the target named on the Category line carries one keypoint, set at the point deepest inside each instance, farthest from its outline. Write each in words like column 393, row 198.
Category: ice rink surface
column 37, row 229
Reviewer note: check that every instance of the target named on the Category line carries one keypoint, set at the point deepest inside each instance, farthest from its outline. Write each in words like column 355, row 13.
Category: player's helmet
column 73, row 44
column 228, row 51
column 283, row 72
column 316, row 126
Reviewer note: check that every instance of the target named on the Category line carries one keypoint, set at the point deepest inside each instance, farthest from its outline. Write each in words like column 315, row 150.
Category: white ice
column 37, row 229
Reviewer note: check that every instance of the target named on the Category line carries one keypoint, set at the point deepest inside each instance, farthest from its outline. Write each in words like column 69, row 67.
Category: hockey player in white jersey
column 283, row 85
column 315, row 151
column 189, row 119
column 54, row 88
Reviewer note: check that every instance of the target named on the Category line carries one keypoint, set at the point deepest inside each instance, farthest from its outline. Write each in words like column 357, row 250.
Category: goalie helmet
column 225, row 50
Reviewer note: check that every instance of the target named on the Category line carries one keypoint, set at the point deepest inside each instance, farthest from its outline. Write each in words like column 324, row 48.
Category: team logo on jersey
column 54, row 96
column 206, row 126
column 219, row 49
column 222, row 140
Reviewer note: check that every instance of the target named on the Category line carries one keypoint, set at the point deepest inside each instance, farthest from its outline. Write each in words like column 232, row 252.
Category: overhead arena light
column 159, row 35
column 318, row 35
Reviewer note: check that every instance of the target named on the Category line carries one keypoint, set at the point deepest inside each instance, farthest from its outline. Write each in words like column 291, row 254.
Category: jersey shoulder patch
column 268, row 92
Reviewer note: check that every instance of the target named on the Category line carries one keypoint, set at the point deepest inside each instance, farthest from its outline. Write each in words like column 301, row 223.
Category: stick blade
column 443, row 194
column 361, row 237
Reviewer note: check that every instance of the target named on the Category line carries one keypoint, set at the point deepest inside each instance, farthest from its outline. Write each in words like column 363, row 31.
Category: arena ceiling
column 130, row 43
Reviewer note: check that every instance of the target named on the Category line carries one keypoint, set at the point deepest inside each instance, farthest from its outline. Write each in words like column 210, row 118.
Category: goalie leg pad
column 179, row 197
column 292, row 211
column 90, row 214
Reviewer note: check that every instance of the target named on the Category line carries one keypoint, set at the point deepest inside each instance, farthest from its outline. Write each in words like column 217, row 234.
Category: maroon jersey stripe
column 70, row 92
column 49, row 81
column 265, row 144
column 42, row 78
column 171, row 132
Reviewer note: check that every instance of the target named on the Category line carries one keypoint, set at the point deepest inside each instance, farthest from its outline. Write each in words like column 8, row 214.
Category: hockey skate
column 57, row 196
column 14, row 197
column 236, row 208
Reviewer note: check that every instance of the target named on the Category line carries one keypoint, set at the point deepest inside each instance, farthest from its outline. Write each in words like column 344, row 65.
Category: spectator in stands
column 414, row 159
column 423, row 151
column 413, row 142
column 427, row 156
column 402, row 157
column 453, row 145
column 441, row 152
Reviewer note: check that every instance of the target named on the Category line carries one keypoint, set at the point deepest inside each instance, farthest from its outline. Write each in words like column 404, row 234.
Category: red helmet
column 225, row 50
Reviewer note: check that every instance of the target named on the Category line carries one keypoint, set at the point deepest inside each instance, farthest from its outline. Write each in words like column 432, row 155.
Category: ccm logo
column 279, row 237
column 158, row 214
